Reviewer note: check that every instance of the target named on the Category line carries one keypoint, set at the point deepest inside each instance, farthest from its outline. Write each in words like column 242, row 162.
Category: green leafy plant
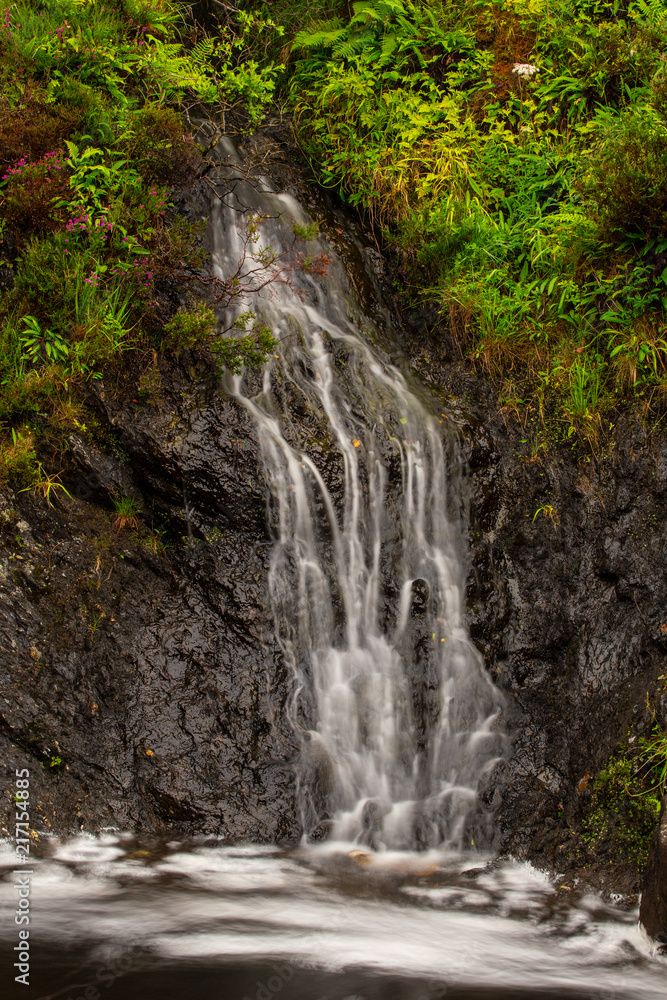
column 512, row 155
column 94, row 137
column 93, row 181
column 637, row 360
column 94, row 621
column 37, row 344
column 653, row 755
column 253, row 348
column 156, row 541
column 190, row 328
column 47, row 483
column 625, row 166
column 306, row 233
column 127, row 511
column 548, row 511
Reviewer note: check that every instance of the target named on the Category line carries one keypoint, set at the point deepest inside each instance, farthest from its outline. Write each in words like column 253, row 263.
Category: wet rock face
column 653, row 909
column 567, row 601
column 144, row 688
column 568, row 606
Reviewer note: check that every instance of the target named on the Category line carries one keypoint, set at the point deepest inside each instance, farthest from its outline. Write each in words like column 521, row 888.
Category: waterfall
column 367, row 578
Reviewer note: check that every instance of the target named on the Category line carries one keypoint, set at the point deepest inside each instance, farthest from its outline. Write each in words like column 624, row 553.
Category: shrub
column 626, row 172
column 158, row 145
column 33, row 189
column 190, row 328
column 31, row 125
column 252, row 348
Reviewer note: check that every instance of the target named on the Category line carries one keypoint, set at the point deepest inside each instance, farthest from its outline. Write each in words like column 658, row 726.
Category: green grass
column 654, row 760
column 514, row 153
column 127, row 511
column 94, row 138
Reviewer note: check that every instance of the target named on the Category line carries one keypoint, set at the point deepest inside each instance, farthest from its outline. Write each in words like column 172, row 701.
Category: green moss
column 149, row 385
column 624, row 809
column 18, row 461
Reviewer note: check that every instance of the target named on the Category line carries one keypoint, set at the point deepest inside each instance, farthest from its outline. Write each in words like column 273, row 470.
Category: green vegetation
column 94, row 143
column 127, row 512
column 654, row 757
column 626, row 799
column 548, row 510
column 250, row 349
column 47, row 483
column 514, row 152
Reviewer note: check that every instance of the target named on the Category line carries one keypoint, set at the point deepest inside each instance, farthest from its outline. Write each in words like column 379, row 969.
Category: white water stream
column 399, row 718
column 124, row 919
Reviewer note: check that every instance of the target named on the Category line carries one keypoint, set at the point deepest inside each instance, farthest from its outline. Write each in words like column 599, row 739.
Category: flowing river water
column 393, row 892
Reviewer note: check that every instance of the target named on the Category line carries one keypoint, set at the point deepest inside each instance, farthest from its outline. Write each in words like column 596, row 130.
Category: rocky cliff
column 140, row 678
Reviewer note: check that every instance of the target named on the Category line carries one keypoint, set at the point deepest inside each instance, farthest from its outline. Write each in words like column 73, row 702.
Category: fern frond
column 201, row 54
column 654, row 11
column 350, row 47
column 322, row 34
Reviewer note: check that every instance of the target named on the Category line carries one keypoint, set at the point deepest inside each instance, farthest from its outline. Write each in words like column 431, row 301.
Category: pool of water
column 120, row 917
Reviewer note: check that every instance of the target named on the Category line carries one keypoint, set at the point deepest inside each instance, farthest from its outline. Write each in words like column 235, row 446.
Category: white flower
column 524, row 69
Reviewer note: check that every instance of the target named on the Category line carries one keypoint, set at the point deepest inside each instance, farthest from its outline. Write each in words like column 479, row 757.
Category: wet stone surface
column 653, row 911
column 144, row 688
column 567, row 601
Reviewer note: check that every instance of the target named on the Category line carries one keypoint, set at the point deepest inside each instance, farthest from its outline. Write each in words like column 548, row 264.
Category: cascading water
column 367, row 579
column 398, row 717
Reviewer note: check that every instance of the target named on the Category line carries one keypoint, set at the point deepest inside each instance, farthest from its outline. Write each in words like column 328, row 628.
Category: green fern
column 654, row 11
column 347, row 48
column 202, row 53
column 380, row 33
column 324, row 35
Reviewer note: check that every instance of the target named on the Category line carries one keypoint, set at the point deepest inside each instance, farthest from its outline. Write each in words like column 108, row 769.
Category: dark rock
column 653, row 908
column 144, row 688
column 566, row 601
column 102, row 476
